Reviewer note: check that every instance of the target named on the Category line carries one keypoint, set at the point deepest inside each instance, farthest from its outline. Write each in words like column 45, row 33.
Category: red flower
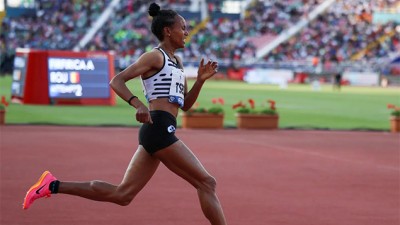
column 391, row 106
column 221, row 101
column 252, row 103
column 394, row 107
column 271, row 104
column 4, row 101
column 218, row 101
column 237, row 105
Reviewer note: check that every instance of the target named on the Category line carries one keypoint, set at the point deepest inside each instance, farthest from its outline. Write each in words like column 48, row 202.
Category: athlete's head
column 168, row 24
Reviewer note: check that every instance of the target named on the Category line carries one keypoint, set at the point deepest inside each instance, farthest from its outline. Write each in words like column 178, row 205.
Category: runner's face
column 179, row 32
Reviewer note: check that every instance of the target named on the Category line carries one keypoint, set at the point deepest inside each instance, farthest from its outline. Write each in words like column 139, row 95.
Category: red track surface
column 264, row 177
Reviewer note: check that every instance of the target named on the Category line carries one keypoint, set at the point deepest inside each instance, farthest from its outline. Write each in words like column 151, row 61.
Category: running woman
column 165, row 88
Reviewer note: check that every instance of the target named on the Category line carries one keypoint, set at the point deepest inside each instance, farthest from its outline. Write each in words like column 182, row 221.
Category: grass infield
column 299, row 106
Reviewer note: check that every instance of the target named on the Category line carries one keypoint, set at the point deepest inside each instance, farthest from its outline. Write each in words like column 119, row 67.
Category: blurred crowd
column 225, row 39
column 337, row 35
column 341, row 32
column 58, row 24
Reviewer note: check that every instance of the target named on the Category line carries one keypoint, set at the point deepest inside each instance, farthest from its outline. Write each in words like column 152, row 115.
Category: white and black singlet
column 169, row 82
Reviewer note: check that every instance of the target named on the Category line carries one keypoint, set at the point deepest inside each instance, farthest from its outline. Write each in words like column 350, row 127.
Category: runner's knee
column 124, row 200
column 125, row 195
column 117, row 195
column 208, row 184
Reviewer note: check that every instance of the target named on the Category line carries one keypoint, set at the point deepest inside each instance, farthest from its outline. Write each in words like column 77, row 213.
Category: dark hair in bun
column 154, row 9
column 161, row 19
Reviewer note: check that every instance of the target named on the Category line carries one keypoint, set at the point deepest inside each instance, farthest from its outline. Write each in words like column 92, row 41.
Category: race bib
column 177, row 89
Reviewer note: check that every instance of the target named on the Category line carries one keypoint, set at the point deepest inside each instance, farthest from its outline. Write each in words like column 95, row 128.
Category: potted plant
column 200, row 117
column 394, row 118
column 252, row 118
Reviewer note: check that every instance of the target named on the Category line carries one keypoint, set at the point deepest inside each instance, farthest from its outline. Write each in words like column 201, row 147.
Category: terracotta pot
column 2, row 117
column 202, row 120
column 256, row 121
column 394, row 124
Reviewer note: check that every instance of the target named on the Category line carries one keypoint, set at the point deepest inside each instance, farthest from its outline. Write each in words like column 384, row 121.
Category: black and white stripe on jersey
column 162, row 87
column 173, row 64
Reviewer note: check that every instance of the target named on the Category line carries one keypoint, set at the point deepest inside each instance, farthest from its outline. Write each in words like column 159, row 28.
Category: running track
column 281, row 177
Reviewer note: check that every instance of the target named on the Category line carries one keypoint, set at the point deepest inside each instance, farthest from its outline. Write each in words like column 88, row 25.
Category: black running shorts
column 160, row 134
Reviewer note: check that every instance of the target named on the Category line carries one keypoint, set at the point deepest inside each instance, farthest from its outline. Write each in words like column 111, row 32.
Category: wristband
column 130, row 99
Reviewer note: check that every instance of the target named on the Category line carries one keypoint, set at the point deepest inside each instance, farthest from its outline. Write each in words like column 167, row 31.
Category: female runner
column 166, row 91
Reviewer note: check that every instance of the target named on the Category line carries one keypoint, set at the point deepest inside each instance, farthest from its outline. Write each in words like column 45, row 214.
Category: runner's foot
column 39, row 190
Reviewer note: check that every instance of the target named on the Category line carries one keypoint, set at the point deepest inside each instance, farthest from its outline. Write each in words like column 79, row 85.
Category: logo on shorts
column 171, row 129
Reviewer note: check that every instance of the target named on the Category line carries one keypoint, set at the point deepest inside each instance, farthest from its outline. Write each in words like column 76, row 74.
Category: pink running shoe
column 39, row 190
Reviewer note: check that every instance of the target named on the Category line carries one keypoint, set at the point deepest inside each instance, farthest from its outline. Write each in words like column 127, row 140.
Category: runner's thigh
column 181, row 160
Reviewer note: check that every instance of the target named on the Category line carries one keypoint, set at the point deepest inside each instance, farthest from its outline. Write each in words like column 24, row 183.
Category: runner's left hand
column 207, row 70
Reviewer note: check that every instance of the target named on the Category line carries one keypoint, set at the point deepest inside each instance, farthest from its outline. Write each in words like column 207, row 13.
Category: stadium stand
column 337, row 35
column 57, row 25
column 344, row 33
